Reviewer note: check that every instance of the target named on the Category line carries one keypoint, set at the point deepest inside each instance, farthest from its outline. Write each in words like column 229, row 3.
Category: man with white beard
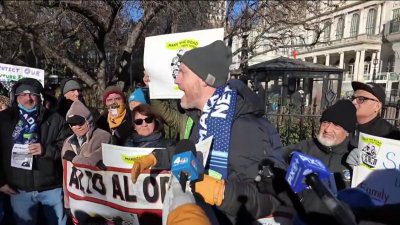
column 331, row 146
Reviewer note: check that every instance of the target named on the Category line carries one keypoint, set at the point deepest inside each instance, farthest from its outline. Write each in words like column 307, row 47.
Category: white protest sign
column 161, row 58
column 379, row 173
column 122, row 157
column 111, row 195
column 9, row 74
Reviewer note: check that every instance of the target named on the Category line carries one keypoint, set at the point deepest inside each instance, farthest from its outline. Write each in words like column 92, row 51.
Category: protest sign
column 379, row 172
column 122, row 157
column 162, row 54
column 9, row 74
column 110, row 195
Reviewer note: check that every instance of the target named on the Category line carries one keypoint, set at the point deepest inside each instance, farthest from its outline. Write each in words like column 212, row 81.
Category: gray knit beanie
column 71, row 85
column 211, row 62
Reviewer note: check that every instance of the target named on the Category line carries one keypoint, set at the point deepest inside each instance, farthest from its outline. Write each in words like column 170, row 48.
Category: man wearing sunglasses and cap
column 369, row 98
column 27, row 123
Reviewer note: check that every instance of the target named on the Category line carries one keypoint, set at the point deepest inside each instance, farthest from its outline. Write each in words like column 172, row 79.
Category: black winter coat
column 46, row 171
column 377, row 127
column 119, row 134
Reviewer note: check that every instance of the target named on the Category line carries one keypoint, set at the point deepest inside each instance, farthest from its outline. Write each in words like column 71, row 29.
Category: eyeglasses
column 362, row 99
column 80, row 123
column 147, row 120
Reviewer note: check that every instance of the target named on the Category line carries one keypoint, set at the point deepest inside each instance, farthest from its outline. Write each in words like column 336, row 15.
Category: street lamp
column 375, row 62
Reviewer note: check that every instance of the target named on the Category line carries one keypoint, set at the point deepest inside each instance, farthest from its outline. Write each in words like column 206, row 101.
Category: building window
column 327, row 31
column 371, row 22
column 340, row 28
column 355, row 21
column 284, row 51
column 396, row 14
column 390, row 64
column 395, row 23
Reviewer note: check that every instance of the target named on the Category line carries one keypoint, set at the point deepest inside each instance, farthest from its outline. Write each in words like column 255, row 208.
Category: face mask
column 25, row 109
column 115, row 109
column 114, row 112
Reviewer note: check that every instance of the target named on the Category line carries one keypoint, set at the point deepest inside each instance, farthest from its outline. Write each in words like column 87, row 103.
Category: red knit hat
column 112, row 90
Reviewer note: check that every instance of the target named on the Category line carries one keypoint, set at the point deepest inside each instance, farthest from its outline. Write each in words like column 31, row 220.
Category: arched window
column 371, row 22
column 340, row 28
column 355, row 21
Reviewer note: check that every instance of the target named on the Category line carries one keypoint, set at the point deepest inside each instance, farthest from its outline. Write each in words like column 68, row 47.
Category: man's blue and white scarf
column 216, row 120
column 27, row 129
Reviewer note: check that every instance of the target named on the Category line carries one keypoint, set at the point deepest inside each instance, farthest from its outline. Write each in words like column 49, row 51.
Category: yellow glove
column 211, row 189
column 142, row 164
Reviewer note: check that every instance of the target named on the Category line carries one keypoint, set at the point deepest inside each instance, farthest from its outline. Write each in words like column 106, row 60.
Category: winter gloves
column 211, row 189
column 142, row 164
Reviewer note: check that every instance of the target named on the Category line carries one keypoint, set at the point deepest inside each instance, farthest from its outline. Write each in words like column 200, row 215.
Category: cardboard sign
column 379, row 173
column 111, row 195
column 9, row 74
column 162, row 55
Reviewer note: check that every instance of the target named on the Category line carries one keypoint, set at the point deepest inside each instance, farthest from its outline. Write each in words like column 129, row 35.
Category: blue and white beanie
column 138, row 96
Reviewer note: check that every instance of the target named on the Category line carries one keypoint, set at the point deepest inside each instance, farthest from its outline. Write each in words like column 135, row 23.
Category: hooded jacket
column 46, row 170
column 89, row 152
column 252, row 139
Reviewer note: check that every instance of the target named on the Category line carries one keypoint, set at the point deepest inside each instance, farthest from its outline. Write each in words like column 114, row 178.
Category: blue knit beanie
column 138, row 96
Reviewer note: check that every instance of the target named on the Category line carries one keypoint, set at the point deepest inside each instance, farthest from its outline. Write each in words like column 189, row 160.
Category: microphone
column 302, row 165
column 306, row 171
column 185, row 165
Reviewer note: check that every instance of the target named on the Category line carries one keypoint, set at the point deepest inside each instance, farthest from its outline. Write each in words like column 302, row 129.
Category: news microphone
column 306, row 171
column 302, row 165
column 185, row 165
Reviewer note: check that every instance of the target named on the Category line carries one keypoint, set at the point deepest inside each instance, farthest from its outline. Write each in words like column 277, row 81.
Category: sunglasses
column 77, row 124
column 147, row 120
column 361, row 99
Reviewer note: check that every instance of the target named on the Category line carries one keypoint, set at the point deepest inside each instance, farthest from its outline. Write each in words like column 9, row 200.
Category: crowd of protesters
column 66, row 129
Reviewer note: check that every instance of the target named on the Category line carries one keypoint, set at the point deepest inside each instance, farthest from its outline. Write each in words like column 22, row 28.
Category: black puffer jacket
column 46, row 171
column 252, row 139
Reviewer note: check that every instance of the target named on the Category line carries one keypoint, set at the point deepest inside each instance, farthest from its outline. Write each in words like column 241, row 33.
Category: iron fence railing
column 304, row 123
